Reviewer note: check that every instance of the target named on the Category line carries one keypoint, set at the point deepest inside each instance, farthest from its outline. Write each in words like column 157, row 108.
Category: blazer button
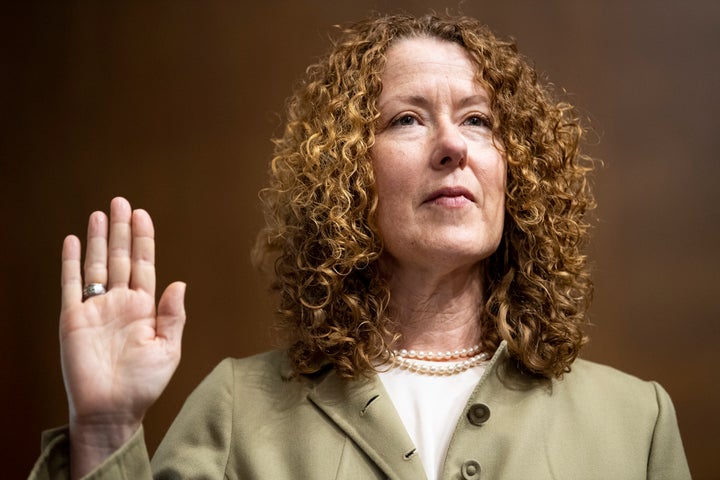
column 478, row 414
column 470, row 470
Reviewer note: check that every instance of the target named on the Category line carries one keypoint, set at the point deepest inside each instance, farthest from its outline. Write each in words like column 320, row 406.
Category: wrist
column 92, row 443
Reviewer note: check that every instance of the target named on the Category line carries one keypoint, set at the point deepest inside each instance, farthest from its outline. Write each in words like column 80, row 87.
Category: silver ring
column 92, row 289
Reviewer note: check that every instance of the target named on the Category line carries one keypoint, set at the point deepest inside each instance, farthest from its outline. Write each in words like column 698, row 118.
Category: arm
column 128, row 462
column 197, row 444
column 199, row 441
column 667, row 456
column 118, row 351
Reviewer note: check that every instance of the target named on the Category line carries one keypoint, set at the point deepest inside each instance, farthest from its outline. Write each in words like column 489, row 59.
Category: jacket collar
column 364, row 411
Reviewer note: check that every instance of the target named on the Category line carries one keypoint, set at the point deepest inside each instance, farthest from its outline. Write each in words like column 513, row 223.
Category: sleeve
column 196, row 446
column 667, row 457
column 129, row 461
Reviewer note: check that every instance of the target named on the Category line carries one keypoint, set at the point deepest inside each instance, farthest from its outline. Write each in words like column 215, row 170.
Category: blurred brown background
column 172, row 104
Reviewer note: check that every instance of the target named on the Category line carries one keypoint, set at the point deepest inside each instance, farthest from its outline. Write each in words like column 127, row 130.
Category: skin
column 440, row 179
column 118, row 350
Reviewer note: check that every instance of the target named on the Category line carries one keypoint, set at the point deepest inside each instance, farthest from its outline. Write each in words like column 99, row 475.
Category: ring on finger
column 92, row 289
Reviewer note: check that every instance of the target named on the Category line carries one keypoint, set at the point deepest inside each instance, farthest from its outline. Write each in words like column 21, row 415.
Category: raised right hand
column 118, row 351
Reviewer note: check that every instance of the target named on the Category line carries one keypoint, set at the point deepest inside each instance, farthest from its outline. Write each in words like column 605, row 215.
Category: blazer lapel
column 365, row 412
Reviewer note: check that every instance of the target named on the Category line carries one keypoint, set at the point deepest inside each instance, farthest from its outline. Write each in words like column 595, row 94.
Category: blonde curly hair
column 321, row 240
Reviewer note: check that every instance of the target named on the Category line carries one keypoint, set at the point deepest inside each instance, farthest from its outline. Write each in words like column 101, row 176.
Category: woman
column 424, row 229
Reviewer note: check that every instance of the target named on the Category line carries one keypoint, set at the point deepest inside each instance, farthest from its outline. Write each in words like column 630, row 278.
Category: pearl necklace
column 412, row 360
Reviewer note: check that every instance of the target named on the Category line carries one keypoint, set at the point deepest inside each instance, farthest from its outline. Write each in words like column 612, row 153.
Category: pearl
column 470, row 357
column 430, row 355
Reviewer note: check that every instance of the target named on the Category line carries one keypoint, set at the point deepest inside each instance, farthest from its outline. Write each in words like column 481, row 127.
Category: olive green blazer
column 252, row 419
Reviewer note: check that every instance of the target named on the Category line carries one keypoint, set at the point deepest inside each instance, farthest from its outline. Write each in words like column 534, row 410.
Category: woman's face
column 440, row 178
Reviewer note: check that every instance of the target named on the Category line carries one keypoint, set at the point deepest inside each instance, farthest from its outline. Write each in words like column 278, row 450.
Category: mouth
column 456, row 194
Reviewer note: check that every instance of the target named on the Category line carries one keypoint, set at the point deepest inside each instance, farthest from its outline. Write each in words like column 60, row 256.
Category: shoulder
column 586, row 371
column 588, row 390
column 589, row 374
column 274, row 364
column 261, row 379
column 272, row 367
column 240, row 393
column 606, row 388
column 635, row 416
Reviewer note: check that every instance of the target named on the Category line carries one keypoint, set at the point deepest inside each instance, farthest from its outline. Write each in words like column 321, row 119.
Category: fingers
column 71, row 279
column 122, row 257
column 143, row 253
column 120, row 243
column 96, row 254
column 131, row 260
column 171, row 313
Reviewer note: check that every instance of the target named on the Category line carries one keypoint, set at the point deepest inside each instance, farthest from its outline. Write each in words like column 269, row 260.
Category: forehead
column 425, row 60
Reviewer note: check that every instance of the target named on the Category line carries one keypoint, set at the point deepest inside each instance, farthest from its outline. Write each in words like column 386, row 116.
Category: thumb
column 171, row 312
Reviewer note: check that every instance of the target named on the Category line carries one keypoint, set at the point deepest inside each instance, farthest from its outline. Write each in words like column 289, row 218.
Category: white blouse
column 429, row 406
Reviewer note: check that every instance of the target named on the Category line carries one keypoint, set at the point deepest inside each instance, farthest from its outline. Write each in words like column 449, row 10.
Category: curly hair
column 323, row 245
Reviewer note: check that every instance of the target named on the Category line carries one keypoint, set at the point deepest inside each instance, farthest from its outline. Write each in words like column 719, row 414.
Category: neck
column 434, row 311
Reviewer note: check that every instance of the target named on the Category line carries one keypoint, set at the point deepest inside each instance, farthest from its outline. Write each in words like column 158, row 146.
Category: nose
column 450, row 149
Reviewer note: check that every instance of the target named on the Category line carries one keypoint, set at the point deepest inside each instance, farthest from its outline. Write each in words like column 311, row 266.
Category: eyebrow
column 422, row 101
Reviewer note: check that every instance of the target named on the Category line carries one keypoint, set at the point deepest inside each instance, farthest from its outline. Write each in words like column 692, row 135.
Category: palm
column 118, row 350
column 112, row 360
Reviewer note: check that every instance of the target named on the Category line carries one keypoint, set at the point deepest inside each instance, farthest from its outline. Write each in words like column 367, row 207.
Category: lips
column 450, row 193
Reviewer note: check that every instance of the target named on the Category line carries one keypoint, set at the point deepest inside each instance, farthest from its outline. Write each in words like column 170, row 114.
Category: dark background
column 172, row 104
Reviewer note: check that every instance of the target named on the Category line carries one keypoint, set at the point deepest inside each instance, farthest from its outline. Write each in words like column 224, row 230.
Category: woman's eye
column 404, row 121
column 478, row 121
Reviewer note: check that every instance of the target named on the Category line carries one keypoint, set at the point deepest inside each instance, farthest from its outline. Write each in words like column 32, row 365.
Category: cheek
column 491, row 172
column 497, row 172
column 383, row 186
column 392, row 172
column 499, row 182
column 394, row 194
column 390, row 192
column 494, row 179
